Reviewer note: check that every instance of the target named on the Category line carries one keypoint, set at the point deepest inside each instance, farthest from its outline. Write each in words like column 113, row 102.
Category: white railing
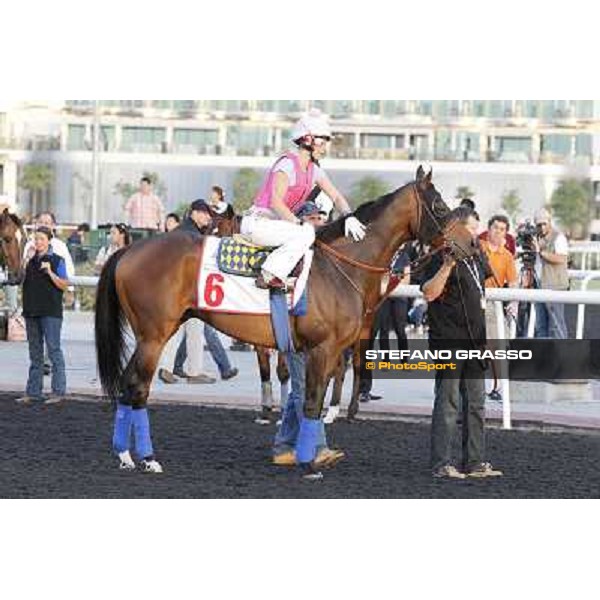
column 497, row 296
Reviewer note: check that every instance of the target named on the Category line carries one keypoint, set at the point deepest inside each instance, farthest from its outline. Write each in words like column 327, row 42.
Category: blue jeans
column 215, row 347
column 293, row 411
column 550, row 321
column 40, row 329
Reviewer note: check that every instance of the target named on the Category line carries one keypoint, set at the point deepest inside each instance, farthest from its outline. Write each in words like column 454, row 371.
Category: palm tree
column 36, row 179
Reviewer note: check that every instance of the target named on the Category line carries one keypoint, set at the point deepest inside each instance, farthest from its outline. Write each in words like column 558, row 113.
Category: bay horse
column 153, row 285
column 12, row 242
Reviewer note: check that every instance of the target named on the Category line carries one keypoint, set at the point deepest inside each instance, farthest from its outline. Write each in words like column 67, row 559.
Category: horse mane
column 14, row 218
column 366, row 213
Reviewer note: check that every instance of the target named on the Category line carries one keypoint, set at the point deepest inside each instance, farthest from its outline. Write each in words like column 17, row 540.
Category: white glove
column 354, row 228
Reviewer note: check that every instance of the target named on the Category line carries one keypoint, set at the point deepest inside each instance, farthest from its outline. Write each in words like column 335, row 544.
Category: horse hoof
column 310, row 472
column 332, row 415
column 126, row 462
column 151, row 466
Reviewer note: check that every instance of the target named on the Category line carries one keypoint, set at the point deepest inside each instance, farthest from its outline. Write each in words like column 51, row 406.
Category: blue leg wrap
column 308, row 437
column 141, row 427
column 123, row 425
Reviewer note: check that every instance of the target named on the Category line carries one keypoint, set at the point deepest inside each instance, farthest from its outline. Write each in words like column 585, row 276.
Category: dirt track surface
column 217, row 453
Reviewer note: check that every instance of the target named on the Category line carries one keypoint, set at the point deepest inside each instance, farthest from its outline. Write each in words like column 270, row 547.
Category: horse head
column 435, row 224
column 12, row 242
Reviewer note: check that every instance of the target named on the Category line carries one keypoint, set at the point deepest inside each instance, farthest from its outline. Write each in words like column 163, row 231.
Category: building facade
column 490, row 146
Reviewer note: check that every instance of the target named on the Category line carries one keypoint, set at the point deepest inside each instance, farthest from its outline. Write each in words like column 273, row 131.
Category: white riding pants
column 293, row 241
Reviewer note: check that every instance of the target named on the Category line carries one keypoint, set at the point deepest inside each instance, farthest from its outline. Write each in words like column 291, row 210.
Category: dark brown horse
column 12, row 242
column 153, row 286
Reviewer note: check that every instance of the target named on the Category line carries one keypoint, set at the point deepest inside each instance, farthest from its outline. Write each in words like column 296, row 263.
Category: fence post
column 505, row 383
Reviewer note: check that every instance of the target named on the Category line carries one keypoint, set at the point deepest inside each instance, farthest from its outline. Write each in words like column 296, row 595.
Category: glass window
column 249, row 140
column 583, row 145
column 161, row 104
column 584, row 109
column 143, row 139
column 375, row 140
column 557, row 144
column 194, row 140
column 76, row 137
column 373, row 107
column 265, row 105
column 184, row 105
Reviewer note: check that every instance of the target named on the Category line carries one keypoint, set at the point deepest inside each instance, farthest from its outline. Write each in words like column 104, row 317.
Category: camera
column 525, row 238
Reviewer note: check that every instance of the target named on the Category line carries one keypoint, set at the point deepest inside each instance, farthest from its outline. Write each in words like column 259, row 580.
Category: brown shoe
column 285, row 459
column 328, row 457
column 166, row 376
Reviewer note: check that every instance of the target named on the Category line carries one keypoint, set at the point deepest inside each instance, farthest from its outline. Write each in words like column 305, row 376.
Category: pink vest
column 296, row 194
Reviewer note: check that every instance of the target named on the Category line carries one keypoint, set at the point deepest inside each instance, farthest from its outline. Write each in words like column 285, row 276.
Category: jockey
column 287, row 185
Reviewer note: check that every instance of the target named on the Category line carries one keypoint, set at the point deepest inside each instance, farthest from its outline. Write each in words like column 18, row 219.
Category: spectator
column 502, row 265
column 197, row 223
column 47, row 219
column 144, row 209
column 119, row 237
column 455, row 293
column 76, row 244
column 171, row 222
column 43, row 287
column 218, row 204
column 552, row 251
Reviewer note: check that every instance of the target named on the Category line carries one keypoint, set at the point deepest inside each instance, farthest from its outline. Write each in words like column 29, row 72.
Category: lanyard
column 474, row 274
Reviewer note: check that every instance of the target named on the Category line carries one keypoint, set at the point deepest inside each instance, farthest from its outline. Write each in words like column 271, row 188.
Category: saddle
column 237, row 256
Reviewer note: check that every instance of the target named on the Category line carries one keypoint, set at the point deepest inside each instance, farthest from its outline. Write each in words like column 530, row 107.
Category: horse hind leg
column 133, row 404
column 265, row 417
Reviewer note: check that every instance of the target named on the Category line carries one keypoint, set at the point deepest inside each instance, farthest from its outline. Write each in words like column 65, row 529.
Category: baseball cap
column 200, row 205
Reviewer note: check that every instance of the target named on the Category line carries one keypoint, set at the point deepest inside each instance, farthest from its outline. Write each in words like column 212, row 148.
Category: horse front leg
column 333, row 410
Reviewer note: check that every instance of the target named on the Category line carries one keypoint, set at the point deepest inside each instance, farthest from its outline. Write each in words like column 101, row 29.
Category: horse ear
column 5, row 211
column 423, row 176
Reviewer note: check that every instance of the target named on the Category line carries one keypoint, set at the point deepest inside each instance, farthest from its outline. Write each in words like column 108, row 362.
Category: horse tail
column 110, row 329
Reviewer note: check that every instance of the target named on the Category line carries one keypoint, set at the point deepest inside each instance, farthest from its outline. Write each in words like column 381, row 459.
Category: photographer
column 552, row 250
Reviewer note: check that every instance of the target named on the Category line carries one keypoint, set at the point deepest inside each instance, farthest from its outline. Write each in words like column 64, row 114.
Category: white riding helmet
column 314, row 123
